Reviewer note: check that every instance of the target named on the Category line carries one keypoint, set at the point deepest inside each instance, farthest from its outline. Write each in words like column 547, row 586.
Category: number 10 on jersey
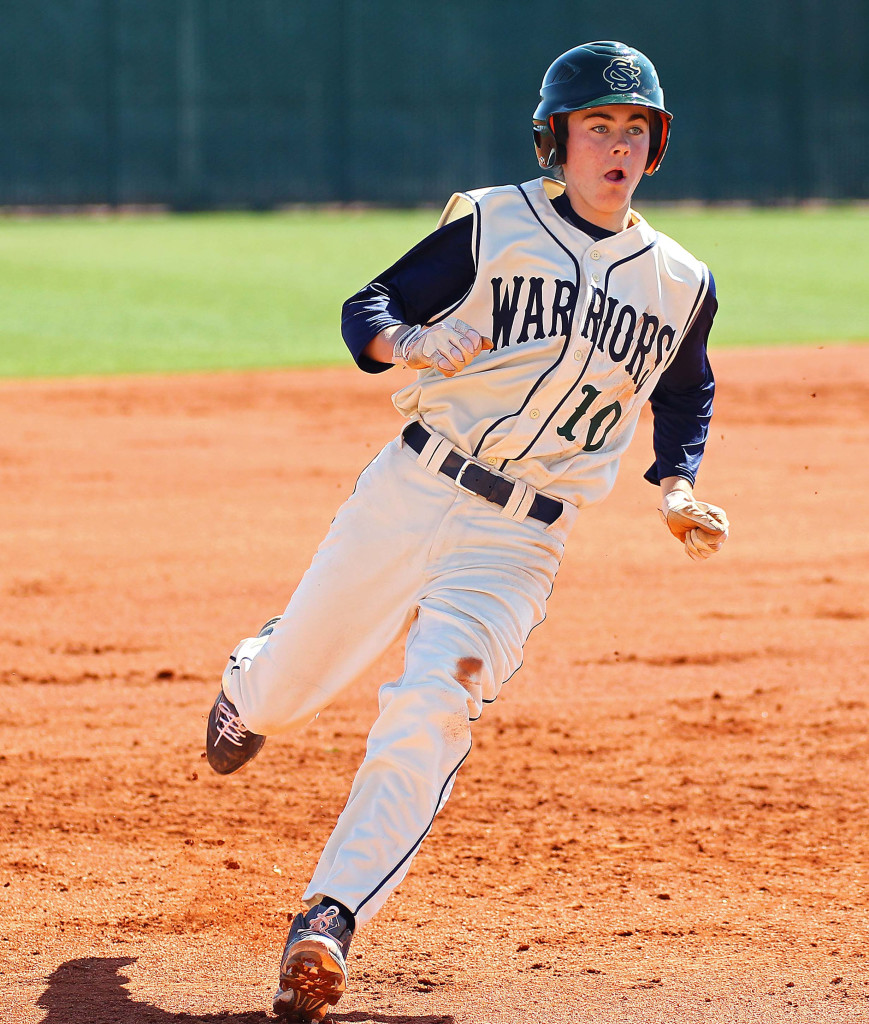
column 599, row 424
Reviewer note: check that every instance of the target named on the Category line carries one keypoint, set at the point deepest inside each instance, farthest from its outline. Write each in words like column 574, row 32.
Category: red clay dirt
column 664, row 817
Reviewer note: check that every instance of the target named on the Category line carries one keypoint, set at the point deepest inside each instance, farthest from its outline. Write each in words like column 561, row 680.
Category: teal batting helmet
column 598, row 75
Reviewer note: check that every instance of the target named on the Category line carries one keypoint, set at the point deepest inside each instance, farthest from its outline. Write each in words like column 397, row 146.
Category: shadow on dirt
column 360, row 1017
column 91, row 991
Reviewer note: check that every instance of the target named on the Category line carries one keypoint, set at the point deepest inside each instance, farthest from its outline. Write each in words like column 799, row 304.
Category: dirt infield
column 664, row 817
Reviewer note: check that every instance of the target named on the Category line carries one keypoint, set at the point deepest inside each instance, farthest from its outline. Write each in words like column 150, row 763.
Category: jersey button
column 595, row 278
column 492, row 462
column 534, row 414
column 577, row 356
column 595, row 255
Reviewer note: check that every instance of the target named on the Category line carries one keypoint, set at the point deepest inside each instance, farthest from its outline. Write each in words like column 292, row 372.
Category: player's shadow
column 91, row 991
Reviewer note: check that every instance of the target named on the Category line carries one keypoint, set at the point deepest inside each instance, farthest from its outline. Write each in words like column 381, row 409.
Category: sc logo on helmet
column 622, row 74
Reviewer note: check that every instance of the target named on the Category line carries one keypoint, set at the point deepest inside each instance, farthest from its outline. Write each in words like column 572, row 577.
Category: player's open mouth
column 617, row 174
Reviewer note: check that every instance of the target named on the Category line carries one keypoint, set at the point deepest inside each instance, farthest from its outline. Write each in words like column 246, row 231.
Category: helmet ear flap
column 558, row 123
column 545, row 144
column 659, row 136
column 550, row 141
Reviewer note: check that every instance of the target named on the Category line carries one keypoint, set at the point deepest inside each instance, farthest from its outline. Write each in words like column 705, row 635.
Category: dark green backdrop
column 260, row 102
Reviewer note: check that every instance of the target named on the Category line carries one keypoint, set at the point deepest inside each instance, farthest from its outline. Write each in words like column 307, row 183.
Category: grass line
column 170, row 293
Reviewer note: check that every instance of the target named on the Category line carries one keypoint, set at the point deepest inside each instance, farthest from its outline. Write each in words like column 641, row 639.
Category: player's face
column 607, row 149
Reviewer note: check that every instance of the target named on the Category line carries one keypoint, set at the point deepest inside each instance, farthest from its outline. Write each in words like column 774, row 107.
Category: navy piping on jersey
column 477, row 234
column 695, row 309
column 562, row 354
column 579, row 378
column 415, row 846
column 626, row 259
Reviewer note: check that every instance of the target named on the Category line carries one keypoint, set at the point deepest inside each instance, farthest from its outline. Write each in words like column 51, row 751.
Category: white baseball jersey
column 582, row 331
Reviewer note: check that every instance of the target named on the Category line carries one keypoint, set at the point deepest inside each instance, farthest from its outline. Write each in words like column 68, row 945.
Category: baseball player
column 538, row 319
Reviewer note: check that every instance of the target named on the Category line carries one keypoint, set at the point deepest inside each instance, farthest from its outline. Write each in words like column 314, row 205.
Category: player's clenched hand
column 447, row 346
column 703, row 528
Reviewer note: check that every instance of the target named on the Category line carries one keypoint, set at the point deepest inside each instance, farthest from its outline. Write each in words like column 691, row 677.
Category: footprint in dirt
column 91, row 990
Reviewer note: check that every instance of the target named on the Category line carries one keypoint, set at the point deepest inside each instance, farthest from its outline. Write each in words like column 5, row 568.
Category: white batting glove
column 447, row 346
column 702, row 528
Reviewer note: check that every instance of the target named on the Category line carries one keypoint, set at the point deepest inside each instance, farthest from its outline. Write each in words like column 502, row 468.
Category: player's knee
column 469, row 675
column 439, row 705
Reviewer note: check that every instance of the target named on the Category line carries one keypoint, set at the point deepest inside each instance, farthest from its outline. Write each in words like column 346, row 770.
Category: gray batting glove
column 447, row 346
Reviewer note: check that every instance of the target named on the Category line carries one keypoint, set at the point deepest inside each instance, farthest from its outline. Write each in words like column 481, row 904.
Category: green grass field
column 84, row 295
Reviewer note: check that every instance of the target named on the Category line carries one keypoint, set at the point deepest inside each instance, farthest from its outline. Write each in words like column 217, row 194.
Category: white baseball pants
column 407, row 549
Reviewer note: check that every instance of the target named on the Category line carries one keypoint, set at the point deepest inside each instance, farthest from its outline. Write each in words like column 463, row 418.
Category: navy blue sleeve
column 434, row 275
column 682, row 402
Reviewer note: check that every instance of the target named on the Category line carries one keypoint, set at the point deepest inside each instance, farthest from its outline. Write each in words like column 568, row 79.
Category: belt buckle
column 460, row 474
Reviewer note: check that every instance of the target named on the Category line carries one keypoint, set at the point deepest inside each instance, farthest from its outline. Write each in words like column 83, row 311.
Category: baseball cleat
column 313, row 965
column 229, row 744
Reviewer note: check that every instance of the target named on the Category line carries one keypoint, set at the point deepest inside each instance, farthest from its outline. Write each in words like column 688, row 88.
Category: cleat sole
column 312, row 982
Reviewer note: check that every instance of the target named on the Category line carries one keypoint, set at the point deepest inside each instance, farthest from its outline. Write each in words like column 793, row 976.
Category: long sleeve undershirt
column 439, row 271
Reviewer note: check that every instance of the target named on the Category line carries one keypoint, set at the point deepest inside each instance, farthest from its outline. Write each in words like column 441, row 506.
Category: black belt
column 471, row 476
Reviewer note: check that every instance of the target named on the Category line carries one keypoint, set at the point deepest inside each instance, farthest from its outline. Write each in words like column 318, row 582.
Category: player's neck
column 615, row 220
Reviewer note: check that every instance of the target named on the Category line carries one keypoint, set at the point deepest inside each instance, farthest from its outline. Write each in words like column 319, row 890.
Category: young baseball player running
column 539, row 318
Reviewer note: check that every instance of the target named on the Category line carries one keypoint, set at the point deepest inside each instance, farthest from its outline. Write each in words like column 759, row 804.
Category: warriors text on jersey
column 586, row 325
